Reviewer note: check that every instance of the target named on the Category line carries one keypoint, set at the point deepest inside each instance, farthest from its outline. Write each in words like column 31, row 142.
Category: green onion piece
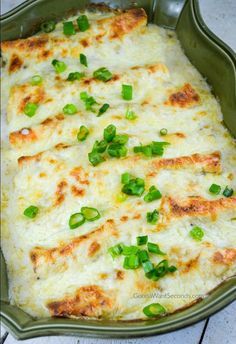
column 215, row 189
column 70, row 109
column 121, row 139
column 152, row 217
column 162, row 268
column 127, row 92
column 153, row 310
column 128, row 250
column 152, row 195
column 125, row 178
column 116, row 250
column 142, row 240
column 75, row 76
column 36, row 80
column 154, row 248
column 158, row 148
column 95, row 158
column 228, row 192
column 197, row 233
column 83, row 133
column 100, row 146
column 117, row 150
column 172, row 268
column 103, row 109
column 135, row 187
column 90, row 214
column 131, row 262
column 76, row 220
column 30, row 109
column 31, row 211
column 88, row 101
column 146, row 150
column 143, row 255
column 147, row 266
column 163, row 132
column 102, row 74
column 59, row 66
column 109, row 133
column 83, row 23
column 83, row 60
column 48, row 26
column 130, row 115
column 68, row 28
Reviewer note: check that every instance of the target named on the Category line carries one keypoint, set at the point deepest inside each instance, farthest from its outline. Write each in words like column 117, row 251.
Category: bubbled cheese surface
column 70, row 272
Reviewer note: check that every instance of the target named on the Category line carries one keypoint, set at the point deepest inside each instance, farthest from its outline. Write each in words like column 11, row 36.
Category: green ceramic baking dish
column 217, row 62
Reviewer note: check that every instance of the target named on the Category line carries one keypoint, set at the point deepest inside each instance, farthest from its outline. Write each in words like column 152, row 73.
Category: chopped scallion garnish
column 68, row 28
column 116, row 250
column 95, row 158
column 89, row 101
column 109, row 133
column 36, row 80
column 70, row 109
column 142, row 240
column 228, row 192
column 31, row 211
column 90, row 214
column 127, row 92
column 76, row 220
column 102, row 74
column 143, row 256
column 135, row 187
column 131, row 262
column 125, row 178
column 48, row 26
column 83, row 133
column 83, row 60
column 83, row 23
column 152, row 149
column 163, row 131
column 75, row 76
column 117, row 150
column 59, row 66
column 215, row 189
column 130, row 115
column 153, row 310
column 152, row 217
column 152, row 195
column 197, row 233
column 103, row 109
column 147, row 266
column 30, row 109
column 154, row 248
column 128, row 250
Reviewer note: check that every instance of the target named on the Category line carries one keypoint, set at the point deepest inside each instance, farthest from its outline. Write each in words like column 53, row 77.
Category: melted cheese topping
column 70, row 272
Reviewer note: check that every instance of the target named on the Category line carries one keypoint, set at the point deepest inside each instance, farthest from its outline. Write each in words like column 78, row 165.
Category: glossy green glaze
column 204, row 49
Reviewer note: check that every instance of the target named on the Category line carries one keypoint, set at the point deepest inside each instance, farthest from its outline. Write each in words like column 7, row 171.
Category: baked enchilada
column 119, row 176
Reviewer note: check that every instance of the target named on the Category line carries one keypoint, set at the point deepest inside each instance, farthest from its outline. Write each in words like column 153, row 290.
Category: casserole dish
column 198, row 46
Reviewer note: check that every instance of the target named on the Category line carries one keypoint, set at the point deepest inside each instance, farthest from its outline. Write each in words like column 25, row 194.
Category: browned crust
column 26, row 159
column 17, row 137
column 196, row 206
column 225, row 256
column 185, row 97
column 15, row 63
column 186, row 267
column 207, row 162
column 93, row 248
column 120, row 274
column 80, row 175
column 88, row 301
column 28, row 44
column 77, row 192
column 66, row 249
column 60, row 193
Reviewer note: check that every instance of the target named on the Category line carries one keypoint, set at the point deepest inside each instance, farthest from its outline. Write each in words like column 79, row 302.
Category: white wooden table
column 220, row 16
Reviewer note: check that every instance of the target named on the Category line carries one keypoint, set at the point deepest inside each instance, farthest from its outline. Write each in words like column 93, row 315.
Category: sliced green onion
column 228, row 192
column 172, row 268
column 153, row 310
column 147, row 266
column 117, row 150
column 128, row 250
column 163, row 131
column 130, row 115
column 143, row 255
column 152, row 195
column 103, row 109
column 116, row 250
column 70, row 109
column 125, row 178
column 83, row 60
column 142, row 240
column 68, row 28
column 90, row 214
column 83, row 23
column 102, row 74
column 197, row 233
column 59, row 66
column 83, row 133
column 88, row 101
column 153, row 149
column 135, row 187
column 215, row 189
column 36, row 80
column 48, row 26
column 127, row 92
column 76, row 220
column 154, row 248
column 109, row 133
column 131, row 262
column 95, row 158
column 31, row 211
column 100, row 146
column 121, row 139
column 160, row 270
column 75, row 76
column 30, row 109
column 152, row 217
